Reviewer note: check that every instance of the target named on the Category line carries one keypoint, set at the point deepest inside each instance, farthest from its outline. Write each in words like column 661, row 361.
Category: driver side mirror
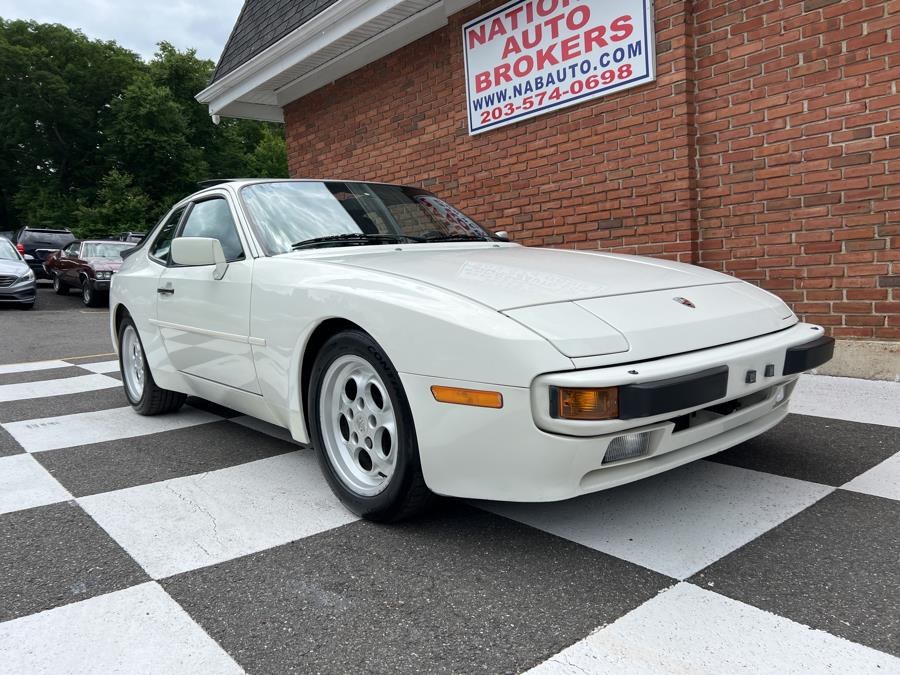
column 28, row 257
column 199, row 252
column 502, row 234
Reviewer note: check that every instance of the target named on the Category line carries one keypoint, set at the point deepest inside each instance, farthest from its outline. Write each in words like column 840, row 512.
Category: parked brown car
column 88, row 266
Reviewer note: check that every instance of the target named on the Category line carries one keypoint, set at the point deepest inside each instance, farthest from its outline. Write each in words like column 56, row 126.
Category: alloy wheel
column 359, row 425
column 132, row 363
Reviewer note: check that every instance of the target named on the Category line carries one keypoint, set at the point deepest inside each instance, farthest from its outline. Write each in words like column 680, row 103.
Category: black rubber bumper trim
column 677, row 393
column 808, row 356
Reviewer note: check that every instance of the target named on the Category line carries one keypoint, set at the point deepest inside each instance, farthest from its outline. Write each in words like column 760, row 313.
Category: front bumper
column 100, row 285
column 23, row 292
column 521, row 453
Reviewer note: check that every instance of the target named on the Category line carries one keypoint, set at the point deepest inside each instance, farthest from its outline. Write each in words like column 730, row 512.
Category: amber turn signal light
column 476, row 397
column 586, row 404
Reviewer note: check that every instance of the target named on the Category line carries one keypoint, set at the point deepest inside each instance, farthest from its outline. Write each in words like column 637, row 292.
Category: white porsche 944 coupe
column 420, row 354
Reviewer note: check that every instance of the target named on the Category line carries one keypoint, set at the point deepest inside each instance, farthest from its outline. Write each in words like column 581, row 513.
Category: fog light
column 779, row 395
column 628, row 447
column 584, row 404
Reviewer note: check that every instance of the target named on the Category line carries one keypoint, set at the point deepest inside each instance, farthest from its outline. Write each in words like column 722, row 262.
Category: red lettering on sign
column 594, row 38
column 621, row 28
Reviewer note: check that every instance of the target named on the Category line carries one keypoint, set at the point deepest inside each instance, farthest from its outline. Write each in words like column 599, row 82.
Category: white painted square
column 677, row 522
column 265, row 427
column 30, row 367
column 64, row 431
column 67, row 385
column 185, row 523
column 848, row 398
column 882, row 480
column 138, row 630
column 686, row 629
column 101, row 366
column 24, row 484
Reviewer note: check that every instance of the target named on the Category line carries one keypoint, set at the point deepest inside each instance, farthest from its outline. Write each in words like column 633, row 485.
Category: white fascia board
column 341, row 18
column 409, row 30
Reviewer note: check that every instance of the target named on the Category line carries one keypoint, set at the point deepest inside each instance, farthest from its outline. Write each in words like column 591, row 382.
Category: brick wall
column 798, row 119
column 768, row 147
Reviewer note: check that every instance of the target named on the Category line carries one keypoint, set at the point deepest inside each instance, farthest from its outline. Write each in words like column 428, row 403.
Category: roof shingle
column 261, row 24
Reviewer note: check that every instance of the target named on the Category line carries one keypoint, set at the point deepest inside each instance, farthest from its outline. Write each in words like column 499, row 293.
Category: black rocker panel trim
column 677, row 393
column 808, row 356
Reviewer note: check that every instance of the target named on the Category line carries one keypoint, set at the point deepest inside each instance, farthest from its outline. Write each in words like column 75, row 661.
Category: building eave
column 343, row 38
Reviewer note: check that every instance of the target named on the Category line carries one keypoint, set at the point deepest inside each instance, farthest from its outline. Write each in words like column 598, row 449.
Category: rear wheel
column 142, row 391
column 363, row 431
column 60, row 287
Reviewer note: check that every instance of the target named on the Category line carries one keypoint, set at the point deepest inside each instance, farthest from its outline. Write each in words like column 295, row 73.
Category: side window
column 72, row 250
column 212, row 218
column 159, row 249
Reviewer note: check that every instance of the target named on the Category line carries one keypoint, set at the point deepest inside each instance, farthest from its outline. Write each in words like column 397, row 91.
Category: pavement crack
column 197, row 508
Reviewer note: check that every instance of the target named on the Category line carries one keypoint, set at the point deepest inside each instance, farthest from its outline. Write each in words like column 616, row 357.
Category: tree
column 149, row 138
column 269, row 157
column 120, row 206
column 55, row 85
column 85, row 122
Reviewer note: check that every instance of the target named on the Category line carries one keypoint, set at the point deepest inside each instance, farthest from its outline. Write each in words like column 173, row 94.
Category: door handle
column 166, row 291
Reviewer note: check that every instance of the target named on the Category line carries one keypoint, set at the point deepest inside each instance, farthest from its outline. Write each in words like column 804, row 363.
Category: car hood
column 507, row 276
column 105, row 264
column 590, row 304
column 16, row 267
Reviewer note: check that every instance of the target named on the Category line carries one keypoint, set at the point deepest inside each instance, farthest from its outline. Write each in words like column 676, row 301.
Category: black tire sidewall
column 384, row 505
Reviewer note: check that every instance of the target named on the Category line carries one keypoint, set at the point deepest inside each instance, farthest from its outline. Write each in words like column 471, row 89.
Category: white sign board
column 529, row 57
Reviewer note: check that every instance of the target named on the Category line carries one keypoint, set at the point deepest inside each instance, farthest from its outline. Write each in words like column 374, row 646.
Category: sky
column 138, row 24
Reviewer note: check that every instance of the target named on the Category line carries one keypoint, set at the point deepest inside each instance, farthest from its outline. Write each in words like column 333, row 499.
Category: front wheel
column 88, row 295
column 141, row 390
column 363, row 431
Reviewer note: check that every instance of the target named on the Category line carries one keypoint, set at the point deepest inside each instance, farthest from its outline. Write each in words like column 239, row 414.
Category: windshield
column 8, row 251
column 105, row 250
column 288, row 213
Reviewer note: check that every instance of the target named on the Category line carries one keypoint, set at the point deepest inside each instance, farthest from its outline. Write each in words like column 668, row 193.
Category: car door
column 65, row 262
column 205, row 322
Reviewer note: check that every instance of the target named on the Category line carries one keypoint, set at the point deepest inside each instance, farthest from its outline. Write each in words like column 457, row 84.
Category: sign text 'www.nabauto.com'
column 529, row 57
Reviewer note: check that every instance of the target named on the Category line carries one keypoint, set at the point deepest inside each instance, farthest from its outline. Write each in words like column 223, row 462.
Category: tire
column 60, row 287
column 89, row 296
column 148, row 399
column 374, row 469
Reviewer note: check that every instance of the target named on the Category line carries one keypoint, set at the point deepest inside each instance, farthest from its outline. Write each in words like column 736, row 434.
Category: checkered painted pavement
column 207, row 542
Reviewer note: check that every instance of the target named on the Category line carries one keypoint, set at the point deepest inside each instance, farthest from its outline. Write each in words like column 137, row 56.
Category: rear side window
column 212, row 218
column 163, row 242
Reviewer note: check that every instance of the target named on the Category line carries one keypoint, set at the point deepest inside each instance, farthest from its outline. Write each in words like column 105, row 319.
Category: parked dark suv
column 40, row 243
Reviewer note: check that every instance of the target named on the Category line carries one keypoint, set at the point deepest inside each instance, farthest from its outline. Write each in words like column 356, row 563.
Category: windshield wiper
column 455, row 237
column 353, row 238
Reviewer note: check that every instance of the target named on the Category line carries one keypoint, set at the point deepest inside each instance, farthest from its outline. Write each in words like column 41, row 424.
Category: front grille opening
column 719, row 410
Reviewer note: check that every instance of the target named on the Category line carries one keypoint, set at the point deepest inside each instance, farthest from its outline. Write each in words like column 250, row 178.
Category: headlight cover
column 104, row 275
column 28, row 276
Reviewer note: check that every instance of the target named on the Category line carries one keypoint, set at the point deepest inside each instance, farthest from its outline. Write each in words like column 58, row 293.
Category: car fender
column 423, row 329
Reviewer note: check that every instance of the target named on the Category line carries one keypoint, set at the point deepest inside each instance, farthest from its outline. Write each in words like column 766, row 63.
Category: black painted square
column 462, row 591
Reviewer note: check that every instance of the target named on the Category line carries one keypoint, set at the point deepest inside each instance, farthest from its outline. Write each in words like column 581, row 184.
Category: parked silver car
column 17, row 282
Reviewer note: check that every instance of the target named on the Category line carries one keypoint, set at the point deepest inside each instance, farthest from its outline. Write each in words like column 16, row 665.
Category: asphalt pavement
column 208, row 542
column 59, row 326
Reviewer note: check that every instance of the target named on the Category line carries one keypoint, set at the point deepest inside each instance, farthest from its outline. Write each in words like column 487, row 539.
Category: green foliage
column 269, row 157
column 120, row 206
column 92, row 136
